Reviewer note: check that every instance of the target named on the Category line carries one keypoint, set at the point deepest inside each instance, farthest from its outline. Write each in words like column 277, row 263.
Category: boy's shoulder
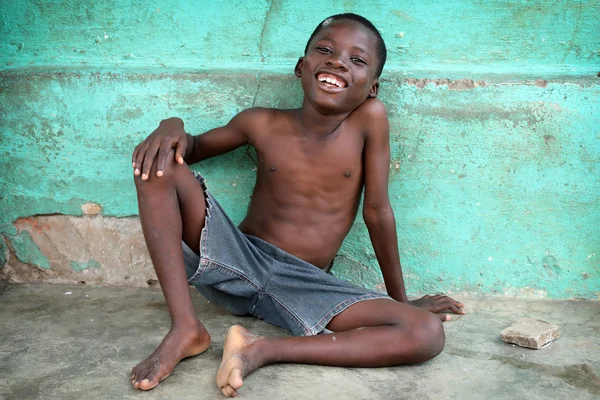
column 263, row 114
column 259, row 117
column 371, row 108
column 256, row 121
column 372, row 118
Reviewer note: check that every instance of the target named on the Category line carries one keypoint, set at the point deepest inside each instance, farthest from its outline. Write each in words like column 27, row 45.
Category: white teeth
column 332, row 81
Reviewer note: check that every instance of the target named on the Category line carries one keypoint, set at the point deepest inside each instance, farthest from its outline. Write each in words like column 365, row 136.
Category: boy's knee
column 430, row 334
column 435, row 328
column 427, row 337
column 168, row 178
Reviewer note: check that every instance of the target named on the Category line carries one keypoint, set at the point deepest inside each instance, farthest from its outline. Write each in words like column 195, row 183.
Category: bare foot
column 238, row 360
column 177, row 345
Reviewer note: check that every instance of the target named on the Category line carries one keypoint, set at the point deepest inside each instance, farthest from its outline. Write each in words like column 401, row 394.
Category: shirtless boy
column 313, row 164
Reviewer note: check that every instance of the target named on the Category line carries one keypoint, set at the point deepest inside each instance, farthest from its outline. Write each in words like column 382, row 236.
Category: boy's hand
column 437, row 304
column 156, row 147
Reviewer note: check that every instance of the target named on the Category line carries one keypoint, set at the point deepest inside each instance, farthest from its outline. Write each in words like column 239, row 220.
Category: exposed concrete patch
column 27, row 251
column 549, row 138
column 91, row 209
column 85, row 250
column 541, row 83
column 458, row 84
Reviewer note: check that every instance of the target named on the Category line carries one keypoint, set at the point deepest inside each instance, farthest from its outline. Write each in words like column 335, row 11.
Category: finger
column 139, row 158
column 136, row 152
column 457, row 303
column 180, row 150
column 163, row 153
column 444, row 317
column 149, row 160
column 454, row 303
column 134, row 155
column 456, row 310
column 442, row 304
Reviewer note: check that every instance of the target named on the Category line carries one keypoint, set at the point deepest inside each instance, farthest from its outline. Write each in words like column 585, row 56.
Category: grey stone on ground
column 531, row 333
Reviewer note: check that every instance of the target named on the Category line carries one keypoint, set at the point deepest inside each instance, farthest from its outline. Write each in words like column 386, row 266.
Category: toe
column 148, row 383
column 229, row 391
column 138, row 378
column 235, row 379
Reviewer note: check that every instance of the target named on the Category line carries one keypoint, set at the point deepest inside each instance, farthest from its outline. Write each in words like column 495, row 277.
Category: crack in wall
column 575, row 31
column 263, row 30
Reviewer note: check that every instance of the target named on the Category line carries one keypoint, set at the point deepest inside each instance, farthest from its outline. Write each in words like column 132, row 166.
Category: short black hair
column 381, row 49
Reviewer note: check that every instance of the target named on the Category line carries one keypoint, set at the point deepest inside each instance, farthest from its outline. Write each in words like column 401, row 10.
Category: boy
column 313, row 164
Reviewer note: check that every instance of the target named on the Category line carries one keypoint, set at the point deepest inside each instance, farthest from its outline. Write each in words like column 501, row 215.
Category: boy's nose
column 336, row 62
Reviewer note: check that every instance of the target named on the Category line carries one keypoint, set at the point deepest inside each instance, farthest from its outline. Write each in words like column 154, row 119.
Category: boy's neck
column 315, row 123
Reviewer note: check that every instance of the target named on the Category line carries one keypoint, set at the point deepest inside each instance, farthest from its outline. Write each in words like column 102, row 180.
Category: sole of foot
column 236, row 362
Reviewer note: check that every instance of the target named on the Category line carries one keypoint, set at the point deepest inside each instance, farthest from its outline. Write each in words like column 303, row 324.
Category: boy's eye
column 323, row 50
column 358, row 60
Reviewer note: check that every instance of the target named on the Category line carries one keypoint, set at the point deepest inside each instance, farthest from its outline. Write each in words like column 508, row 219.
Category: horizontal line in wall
column 395, row 71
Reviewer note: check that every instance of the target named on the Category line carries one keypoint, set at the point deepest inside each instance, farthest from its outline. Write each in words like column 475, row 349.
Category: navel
column 347, row 174
column 272, row 169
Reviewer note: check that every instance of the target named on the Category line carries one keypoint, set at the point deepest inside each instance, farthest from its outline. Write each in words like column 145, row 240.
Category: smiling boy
column 313, row 164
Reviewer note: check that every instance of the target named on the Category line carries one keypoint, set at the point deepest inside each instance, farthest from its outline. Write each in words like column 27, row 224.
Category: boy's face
column 338, row 70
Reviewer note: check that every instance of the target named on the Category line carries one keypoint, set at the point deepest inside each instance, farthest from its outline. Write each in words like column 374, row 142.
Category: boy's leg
column 171, row 207
column 371, row 333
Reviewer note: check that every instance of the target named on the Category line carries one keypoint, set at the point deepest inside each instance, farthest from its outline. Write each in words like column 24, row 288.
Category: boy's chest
column 310, row 159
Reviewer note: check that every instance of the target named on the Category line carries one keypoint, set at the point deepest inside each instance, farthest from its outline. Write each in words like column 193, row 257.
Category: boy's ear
column 298, row 68
column 374, row 89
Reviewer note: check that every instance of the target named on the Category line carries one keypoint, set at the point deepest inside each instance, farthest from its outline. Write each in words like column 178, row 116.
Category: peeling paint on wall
column 9, row 228
column 80, row 266
column 3, row 252
column 27, row 251
column 80, row 250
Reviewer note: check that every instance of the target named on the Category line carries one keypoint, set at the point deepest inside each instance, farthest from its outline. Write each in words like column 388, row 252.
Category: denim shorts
column 247, row 275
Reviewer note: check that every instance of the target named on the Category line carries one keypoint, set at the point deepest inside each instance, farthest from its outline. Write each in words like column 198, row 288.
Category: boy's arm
column 379, row 216
column 170, row 135
column 377, row 211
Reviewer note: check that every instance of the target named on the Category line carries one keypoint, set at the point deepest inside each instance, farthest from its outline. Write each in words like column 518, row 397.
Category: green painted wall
column 494, row 36
column 494, row 110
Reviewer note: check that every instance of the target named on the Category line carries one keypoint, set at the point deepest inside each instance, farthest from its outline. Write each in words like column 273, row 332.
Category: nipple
column 347, row 174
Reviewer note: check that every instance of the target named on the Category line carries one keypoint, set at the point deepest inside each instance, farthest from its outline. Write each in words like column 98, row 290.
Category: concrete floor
column 82, row 345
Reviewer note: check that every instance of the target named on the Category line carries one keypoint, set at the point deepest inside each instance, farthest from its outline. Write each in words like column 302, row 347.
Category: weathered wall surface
column 521, row 36
column 494, row 110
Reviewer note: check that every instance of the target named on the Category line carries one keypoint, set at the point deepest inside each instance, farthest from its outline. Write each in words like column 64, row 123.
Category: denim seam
column 299, row 322
column 235, row 272
column 204, row 233
column 305, row 327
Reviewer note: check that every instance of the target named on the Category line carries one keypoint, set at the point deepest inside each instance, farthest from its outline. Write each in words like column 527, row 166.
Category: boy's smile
column 331, row 81
column 338, row 70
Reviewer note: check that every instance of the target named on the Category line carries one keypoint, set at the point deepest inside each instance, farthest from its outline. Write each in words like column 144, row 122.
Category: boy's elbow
column 378, row 216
